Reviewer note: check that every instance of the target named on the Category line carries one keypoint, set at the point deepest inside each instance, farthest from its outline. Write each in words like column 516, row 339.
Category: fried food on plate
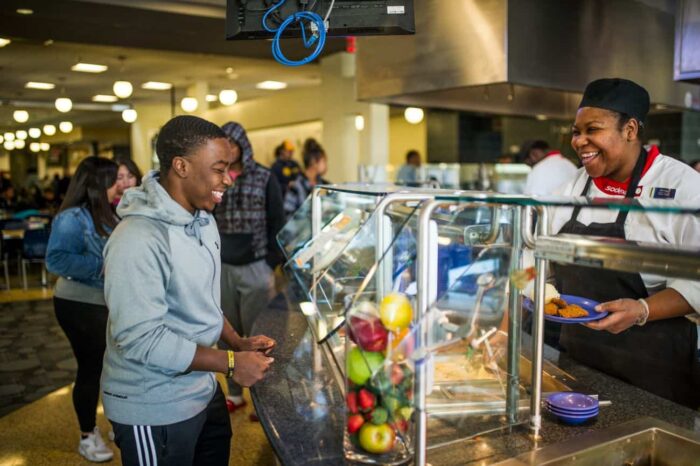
column 560, row 303
column 572, row 311
column 551, row 309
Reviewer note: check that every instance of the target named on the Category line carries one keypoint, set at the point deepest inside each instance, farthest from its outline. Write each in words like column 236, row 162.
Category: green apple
column 360, row 365
column 377, row 438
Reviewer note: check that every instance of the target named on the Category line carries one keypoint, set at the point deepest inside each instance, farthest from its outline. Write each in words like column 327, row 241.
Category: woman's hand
column 257, row 343
column 624, row 313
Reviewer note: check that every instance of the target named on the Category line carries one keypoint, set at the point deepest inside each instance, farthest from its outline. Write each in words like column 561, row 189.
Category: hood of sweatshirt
column 153, row 201
column 237, row 134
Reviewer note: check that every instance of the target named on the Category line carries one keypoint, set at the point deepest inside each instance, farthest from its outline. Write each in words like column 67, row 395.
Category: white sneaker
column 93, row 448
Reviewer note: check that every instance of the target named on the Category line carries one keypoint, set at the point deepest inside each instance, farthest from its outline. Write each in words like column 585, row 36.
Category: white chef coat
column 663, row 178
column 548, row 174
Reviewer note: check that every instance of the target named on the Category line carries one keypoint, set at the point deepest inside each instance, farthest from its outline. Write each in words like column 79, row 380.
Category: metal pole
column 514, row 322
column 427, row 289
column 316, row 214
column 538, row 331
column 384, row 237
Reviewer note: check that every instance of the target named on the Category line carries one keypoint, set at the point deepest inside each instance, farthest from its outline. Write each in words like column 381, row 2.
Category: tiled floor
column 37, row 421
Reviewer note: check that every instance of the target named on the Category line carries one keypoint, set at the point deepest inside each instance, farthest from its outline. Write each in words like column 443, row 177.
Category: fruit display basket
column 379, row 380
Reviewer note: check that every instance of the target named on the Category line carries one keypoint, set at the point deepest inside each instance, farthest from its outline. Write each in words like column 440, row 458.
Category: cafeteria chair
column 5, row 267
column 34, row 252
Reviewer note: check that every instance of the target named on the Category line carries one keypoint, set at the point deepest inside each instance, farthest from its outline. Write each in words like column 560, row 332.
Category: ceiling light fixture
column 19, row 144
column 20, row 116
column 39, row 85
column 212, row 98
column 156, row 86
column 359, row 122
column 9, row 145
column 189, row 104
column 89, row 68
column 34, row 133
column 49, row 130
column 228, row 97
column 65, row 126
column 129, row 115
column 4, row 42
column 45, row 146
column 9, row 137
column 25, row 11
column 414, row 115
column 35, row 147
column 271, row 85
column 64, row 104
column 104, row 98
column 122, row 89
column 21, row 134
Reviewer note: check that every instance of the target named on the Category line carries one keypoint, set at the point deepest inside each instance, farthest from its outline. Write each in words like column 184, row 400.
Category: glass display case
column 421, row 308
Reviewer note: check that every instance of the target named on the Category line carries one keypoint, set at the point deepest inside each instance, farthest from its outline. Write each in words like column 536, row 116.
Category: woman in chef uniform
column 646, row 340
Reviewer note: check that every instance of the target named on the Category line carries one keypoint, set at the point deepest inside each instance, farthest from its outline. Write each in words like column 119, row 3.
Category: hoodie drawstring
column 194, row 227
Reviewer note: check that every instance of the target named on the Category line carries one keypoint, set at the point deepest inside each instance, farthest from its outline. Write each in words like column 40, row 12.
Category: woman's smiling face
column 603, row 147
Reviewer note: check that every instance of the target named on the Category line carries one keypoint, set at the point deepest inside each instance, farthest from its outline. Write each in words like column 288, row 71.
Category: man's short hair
column 182, row 136
column 410, row 154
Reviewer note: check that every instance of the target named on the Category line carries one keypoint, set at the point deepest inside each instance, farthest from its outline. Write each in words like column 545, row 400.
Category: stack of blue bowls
column 572, row 408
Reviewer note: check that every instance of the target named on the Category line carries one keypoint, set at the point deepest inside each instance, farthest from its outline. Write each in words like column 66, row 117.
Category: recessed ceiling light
column 156, row 86
column 212, row 98
column 38, row 85
column 89, row 68
column 4, row 42
column 271, row 85
column 541, row 117
column 104, row 98
column 25, row 11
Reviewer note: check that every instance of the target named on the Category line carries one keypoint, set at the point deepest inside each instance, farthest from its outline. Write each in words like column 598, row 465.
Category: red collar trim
column 552, row 152
column 616, row 188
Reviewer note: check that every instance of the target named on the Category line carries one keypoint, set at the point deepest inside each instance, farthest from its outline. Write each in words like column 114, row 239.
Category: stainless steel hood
column 522, row 57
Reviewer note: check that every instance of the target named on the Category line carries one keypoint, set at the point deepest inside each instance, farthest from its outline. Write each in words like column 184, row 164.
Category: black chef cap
column 618, row 95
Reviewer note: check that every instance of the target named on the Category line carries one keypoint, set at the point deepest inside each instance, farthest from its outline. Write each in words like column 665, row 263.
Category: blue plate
column 565, row 412
column 575, row 420
column 572, row 401
column 587, row 304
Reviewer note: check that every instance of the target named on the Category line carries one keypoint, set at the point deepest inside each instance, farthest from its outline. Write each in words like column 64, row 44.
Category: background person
column 550, row 169
column 128, row 176
column 249, row 217
column 285, row 168
column 315, row 166
column 408, row 173
column 74, row 253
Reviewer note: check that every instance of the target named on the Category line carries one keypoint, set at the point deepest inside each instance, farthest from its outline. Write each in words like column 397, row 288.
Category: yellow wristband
column 231, row 363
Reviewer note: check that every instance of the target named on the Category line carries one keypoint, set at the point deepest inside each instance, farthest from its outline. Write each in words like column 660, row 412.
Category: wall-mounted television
column 347, row 18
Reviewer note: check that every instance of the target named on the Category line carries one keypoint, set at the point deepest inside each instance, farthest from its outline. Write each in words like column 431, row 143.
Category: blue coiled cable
column 299, row 17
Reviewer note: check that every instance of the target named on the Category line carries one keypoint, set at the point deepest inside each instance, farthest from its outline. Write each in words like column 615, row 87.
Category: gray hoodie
column 162, row 288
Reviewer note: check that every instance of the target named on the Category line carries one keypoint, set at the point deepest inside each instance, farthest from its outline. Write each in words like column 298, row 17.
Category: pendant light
column 129, row 115
column 20, row 116
column 228, row 97
column 189, row 104
column 122, row 89
column 65, row 126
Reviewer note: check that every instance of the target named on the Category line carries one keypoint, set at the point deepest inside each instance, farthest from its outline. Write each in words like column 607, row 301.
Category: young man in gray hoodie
column 162, row 288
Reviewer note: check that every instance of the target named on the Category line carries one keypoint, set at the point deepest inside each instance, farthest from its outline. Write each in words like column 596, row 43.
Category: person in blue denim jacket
column 78, row 235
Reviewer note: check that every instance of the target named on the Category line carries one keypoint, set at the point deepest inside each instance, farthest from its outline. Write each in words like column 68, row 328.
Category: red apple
column 355, row 422
column 366, row 400
column 352, row 402
column 377, row 439
column 368, row 332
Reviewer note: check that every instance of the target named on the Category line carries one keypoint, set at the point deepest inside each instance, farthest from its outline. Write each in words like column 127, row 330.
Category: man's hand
column 250, row 367
column 623, row 315
column 257, row 343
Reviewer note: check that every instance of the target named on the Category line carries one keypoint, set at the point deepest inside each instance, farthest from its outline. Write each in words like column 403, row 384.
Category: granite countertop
column 302, row 410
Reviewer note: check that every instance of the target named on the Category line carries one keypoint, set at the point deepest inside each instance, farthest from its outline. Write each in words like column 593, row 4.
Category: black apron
column 659, row 357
